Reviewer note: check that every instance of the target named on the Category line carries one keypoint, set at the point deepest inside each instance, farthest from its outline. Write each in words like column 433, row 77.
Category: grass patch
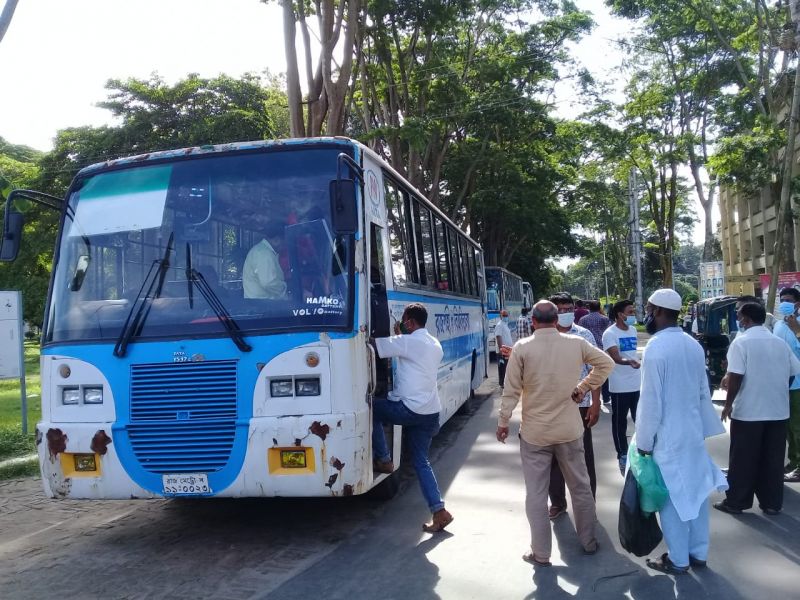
column 21, row 469
column 12, row 442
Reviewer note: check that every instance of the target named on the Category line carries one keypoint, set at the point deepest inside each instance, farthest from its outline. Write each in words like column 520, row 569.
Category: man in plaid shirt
column 523, row 325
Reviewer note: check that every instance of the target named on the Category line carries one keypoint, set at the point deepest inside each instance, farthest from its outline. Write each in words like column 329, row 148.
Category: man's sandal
column 665, row 565
column 531, row 559
column 441, row 519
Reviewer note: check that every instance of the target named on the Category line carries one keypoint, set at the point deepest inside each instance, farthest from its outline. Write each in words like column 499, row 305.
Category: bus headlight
column 307, row 387
column 92, row 395
column 280, row 388
column 70, row 396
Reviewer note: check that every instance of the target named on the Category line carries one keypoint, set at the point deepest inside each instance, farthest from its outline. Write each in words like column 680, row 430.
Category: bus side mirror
column 12, row 234
column 344, row 213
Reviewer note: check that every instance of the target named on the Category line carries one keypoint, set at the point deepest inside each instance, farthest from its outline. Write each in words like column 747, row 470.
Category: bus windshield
column 494, row 289
column 255, row 227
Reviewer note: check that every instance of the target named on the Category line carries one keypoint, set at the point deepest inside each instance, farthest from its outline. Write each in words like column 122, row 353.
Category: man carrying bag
column 674, row 417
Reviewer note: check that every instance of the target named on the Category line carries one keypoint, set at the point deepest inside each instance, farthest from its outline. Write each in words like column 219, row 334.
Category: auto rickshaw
column 716, row 328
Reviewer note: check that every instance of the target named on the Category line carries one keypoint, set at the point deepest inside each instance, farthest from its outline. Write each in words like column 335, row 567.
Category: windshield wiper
column 235, row 333
column 141, row 304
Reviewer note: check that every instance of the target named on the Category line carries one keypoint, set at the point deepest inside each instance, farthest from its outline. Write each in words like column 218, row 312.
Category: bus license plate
column 185, row 484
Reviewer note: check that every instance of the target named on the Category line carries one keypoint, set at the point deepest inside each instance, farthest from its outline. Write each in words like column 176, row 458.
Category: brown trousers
column 536, row 464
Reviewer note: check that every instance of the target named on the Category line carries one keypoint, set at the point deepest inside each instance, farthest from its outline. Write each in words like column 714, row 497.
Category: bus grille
column 183, row 415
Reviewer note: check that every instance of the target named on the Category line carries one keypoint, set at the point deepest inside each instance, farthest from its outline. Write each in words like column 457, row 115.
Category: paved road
column 355, row 548
column 221, row 548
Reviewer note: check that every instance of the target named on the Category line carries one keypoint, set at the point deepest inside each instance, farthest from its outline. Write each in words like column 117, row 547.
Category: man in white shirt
column 675, row 416
column 413, row 403
column 262, row 276
column 619, row 341
column 761, row 368
column 502, row 337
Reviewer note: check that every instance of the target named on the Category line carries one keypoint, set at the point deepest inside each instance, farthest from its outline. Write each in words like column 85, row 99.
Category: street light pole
column 636, row 242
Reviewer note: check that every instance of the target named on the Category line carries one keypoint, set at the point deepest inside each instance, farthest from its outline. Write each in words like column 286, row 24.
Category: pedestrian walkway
column 752, row 556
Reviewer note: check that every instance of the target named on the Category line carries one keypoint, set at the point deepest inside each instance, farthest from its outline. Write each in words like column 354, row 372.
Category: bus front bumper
column 299, row 456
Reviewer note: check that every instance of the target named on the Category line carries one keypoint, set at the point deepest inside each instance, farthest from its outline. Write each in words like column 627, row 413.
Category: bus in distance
column 503, row 292
column 207, row 325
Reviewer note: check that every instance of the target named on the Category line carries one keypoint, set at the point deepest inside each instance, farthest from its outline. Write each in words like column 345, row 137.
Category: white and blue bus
column 161, row 376
column 503, row 292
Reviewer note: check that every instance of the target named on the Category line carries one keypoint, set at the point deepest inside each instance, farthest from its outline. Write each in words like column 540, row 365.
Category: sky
column 57, row 55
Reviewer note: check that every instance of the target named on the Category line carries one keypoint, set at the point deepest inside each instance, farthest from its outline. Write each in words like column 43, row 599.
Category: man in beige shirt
column 542, row 371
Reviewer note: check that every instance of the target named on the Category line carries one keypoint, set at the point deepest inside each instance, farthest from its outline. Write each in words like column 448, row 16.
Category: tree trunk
column 5, row 17
column 293, row 93
column 786, row 189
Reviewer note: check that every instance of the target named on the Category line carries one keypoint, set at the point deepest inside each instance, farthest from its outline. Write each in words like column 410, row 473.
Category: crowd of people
column 562, row 365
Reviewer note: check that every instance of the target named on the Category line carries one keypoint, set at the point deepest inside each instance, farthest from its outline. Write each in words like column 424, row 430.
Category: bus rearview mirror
column 12, row 234
column 344, row 215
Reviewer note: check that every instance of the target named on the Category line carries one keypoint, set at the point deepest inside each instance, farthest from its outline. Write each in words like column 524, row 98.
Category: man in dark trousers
column 761, row 368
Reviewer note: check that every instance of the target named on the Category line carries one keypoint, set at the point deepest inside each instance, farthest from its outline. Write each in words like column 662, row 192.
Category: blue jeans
column 685, row 538
column 420, row 430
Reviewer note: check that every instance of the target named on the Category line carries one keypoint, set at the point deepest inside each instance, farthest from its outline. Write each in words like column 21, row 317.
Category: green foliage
column 13, row 443
column 154, row 116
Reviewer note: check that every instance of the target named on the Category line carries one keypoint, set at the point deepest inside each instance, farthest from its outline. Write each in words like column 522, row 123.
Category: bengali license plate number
column 185, row 484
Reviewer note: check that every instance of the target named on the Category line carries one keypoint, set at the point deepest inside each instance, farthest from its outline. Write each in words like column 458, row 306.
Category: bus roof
column 212, row 149
column 504, row 270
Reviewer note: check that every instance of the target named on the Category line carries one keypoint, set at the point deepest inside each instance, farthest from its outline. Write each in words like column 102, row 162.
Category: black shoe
column 724, row 507
column 696, row 562
column 770, row 511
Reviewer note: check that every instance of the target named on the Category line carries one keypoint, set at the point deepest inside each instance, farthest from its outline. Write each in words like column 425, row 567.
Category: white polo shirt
column 418, row 356
column 766, row 362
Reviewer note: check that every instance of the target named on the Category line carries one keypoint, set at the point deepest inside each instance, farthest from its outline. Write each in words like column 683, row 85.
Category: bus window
column 398, row 235
column 455, row 262
column 422, row 229
column 443, row 283
column 467, row 269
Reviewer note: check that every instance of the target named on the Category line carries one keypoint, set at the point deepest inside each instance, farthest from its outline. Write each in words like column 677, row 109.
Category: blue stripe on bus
column 430, row 296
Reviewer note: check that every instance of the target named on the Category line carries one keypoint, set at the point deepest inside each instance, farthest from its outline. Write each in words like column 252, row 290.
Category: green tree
column 154, row 116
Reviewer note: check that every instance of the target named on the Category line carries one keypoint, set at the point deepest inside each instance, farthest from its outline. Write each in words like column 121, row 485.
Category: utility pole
column 636, row 242
column 605, row 272
column 788, row 166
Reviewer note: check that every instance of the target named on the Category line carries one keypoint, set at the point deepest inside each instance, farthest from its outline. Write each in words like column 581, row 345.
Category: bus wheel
column 466, row 408
column 386, row 489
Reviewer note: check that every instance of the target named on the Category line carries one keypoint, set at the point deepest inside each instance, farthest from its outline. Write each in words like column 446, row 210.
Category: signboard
column 790, row 279
column 712, row 279
column 12, row 350
column 10, row 335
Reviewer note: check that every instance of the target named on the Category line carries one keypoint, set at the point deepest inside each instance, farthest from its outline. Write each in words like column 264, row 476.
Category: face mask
column 566, row 319
column 650, row 324
column 630, row 320
column 786, row 308
column 741, row 326
column 505, row 319
column 403, row 328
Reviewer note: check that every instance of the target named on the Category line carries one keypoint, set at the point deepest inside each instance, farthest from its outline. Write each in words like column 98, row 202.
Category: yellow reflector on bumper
column 288, row 461
column 80, row 464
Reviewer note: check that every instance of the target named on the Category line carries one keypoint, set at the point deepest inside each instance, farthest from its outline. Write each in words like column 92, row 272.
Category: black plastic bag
column 639, row 533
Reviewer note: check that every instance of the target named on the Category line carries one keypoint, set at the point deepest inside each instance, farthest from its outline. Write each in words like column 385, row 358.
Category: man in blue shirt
column 787, row 328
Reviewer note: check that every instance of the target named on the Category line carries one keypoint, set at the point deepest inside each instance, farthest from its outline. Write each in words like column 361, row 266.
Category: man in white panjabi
column 673, row 418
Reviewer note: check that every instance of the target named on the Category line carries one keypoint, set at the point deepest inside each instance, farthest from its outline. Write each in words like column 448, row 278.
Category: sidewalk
column 752, row 556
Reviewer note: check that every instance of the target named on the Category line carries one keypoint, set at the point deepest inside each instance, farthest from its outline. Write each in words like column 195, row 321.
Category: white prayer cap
column 666, row 298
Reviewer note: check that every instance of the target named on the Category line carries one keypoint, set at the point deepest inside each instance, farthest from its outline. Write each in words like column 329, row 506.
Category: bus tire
column 386, row 489
column 467, row 408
